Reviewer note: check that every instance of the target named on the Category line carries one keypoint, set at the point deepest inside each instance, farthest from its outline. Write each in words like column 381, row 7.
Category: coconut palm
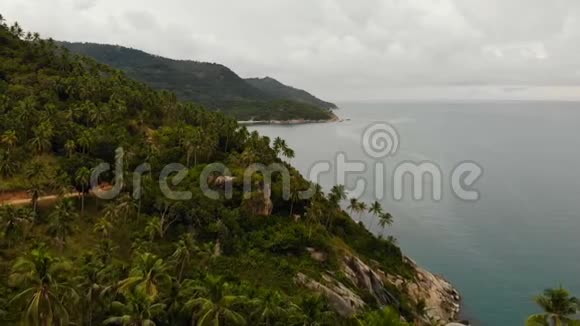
column 42, row 279
column 70, row 147
column 362, row 207
column 14, row 223
column 353, row 205
column 280, row 147
column 60, row 221
column 82, row 178
column 271, row 308
column 385, row 219
column 9, row 138
column 558, row 306
column 138, row 310
column 103, row 227
column 146, row 275
column 8, row 165
column 184, row 252
column 91, row 282
column 214, row 306
column 376, row 209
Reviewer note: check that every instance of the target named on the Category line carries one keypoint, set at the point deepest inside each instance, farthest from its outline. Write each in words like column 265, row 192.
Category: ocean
column 520, row 236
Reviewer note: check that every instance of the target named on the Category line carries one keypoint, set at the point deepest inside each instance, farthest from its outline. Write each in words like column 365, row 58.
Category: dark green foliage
column 278, row 90
column 139, row 261
column 211, row 84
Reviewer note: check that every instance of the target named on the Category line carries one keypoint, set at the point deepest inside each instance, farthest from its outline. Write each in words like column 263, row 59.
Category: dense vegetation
column 211, row 84
column 151, row 260
column 278, row 90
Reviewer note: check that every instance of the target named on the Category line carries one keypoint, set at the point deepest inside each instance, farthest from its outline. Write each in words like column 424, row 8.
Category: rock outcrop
column 342, row 299
column 440, row 298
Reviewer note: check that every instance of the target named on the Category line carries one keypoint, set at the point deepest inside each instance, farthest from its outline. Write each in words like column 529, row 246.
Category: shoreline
column 333, row 118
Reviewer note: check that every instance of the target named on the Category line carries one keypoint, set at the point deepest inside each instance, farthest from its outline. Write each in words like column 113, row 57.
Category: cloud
column 344, row 50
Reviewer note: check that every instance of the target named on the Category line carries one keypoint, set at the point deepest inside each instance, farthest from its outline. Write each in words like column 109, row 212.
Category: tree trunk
column 82, row 201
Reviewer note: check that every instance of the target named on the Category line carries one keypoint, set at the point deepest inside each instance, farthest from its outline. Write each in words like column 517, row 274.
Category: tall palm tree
column 138, row 310
column 280, row 147
column 42, row 279
column 353, row 205
column 385, row 219
column 9, row 138
column 271, row 309
column 91, row 282
column 558, row 306
column 337, row 194
column 82, row 178
column 184, row 252
column 147, row 274
column 14, row 223
column 214, row 306
column 362, row 207
column 376, row 209
column 60, row 221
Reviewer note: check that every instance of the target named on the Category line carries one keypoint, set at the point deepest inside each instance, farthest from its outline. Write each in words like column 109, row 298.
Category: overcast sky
column 345, row 49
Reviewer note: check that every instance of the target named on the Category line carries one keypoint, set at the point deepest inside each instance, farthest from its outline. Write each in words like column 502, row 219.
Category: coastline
column 333, row 118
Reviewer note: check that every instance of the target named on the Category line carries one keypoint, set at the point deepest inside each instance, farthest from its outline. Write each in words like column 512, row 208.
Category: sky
column 345, row 50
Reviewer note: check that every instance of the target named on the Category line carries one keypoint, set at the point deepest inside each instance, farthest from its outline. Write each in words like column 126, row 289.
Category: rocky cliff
column 440, row 298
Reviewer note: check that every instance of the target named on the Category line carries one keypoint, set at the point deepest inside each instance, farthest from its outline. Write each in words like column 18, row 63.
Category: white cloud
column 340, row 49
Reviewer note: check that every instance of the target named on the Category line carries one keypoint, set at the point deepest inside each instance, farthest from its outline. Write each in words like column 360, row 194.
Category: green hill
column 147, row 257
column 275, row 88
column 210, row 84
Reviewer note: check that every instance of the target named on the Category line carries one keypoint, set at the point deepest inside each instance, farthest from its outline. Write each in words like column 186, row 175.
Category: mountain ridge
column 214, row 85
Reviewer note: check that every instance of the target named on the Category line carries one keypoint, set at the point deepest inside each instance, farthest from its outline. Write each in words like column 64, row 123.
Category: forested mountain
column 275, row 88
column 142, row 258
column 211, row 84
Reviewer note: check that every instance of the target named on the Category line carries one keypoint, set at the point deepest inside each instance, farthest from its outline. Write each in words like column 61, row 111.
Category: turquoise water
column 521, row 236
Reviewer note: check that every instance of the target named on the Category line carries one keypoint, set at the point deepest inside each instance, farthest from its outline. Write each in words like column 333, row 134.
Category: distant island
column 213, row 85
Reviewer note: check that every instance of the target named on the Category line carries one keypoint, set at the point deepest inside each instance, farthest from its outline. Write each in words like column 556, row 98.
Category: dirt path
column 22, row 198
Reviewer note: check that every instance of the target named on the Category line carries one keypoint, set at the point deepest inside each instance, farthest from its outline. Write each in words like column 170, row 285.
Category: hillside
column 275, row 88
column 146, row 256
column 210, row 84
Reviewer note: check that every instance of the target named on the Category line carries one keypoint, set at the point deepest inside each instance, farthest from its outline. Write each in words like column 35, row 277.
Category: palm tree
column 214, row 307
column 558, row 308
column 280, row 147
column 60, row 221
column 157, row 227
column 91, row 281
column 14, row 223
column 123, row 207
column 147, row 274
column 385, row 219
column 42, row 278
column 336, row 195
column 82, row 178
column 139, row 310
column 271, row 308
column 362, row 207
column 376, row 209
column 9, row 138
column 8, row 164
column 353, row 205
column 43, row 134
column 70, row 147
column 104, row 227
column 184, row 252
